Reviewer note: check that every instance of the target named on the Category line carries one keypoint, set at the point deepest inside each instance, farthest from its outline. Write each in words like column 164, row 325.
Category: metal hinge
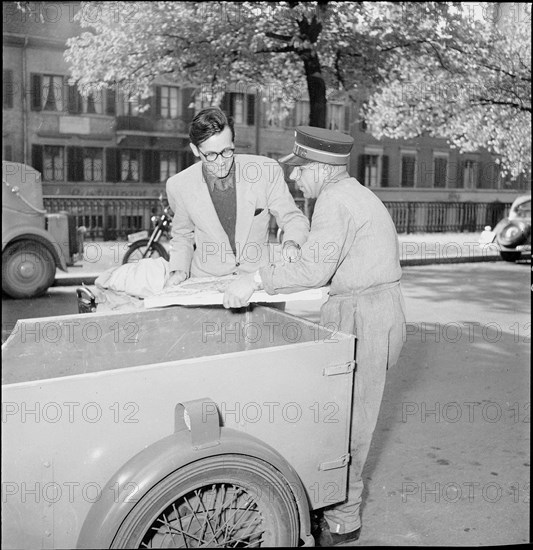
column 337, row 463
column 344, row 368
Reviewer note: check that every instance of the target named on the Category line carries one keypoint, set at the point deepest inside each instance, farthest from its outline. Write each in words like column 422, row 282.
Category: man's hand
column 176, row 277
column 291, row 251
column 239, row 291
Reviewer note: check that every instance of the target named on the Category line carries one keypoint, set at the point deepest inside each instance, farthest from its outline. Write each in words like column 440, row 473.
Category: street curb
column 460, row 260
column 88, row 280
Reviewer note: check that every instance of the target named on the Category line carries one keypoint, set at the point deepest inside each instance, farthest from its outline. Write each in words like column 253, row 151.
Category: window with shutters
column 170, row 103
column 374, row 171
column 275, row 114
column 240, row 106
column 440, row 170
column 53, row 93
column 237, row 108
column 168, row 165
column 335, row 117
column 93, row 164
column 408, row 168
column 129, row 165
column 53, row 163
column 128, row 104
column 491, row 177
column 470, row 174
column 7, row 88
column 92, row 103
column 372, row 167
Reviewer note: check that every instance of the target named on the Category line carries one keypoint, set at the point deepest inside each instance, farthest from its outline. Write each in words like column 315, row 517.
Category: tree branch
column 277, row 50
column 519, row 106
column 284, row 37
column 421, row 41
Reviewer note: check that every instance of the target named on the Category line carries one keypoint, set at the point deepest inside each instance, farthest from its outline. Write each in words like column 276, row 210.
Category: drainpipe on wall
column 24, row 103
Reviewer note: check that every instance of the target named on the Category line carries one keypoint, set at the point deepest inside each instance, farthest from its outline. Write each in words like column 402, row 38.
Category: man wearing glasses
column 222, row 206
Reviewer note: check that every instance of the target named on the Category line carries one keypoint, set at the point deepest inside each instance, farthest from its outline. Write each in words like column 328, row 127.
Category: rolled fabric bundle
column 144, row 278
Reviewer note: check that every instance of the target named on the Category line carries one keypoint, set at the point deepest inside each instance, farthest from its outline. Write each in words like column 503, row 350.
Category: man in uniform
column 353, row 246
column 222, row 206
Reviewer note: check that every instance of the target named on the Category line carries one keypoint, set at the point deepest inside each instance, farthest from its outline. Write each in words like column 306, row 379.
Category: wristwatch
column 291, row 243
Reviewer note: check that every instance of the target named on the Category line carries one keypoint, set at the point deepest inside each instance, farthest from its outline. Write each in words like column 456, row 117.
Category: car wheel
column 510, row 256
column 28, row 269
column 222, row 501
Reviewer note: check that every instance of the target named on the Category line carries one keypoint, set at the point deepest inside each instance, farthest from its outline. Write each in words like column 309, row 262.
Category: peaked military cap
column 318, row 145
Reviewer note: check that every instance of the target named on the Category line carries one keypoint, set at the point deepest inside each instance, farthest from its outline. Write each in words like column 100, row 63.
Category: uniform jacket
column 353, row 245
column 199, row 244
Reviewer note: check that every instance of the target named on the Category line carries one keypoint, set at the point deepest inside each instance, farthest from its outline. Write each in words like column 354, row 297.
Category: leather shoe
column 324, row 538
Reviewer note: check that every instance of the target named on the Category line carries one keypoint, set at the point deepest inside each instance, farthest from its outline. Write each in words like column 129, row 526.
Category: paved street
column 450, row 459
column 449, row 463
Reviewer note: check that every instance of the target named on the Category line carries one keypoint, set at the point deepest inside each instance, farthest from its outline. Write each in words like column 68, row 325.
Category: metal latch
column 344, row 368
column 337, row 463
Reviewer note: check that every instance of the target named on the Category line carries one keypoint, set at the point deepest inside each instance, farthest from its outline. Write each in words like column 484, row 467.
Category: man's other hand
column 239, row 291
column 176, row 277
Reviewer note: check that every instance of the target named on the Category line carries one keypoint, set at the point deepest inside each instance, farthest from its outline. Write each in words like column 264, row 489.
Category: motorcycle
column 143, row 246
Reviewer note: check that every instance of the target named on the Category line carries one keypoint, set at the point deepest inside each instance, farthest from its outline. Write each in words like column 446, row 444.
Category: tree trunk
column 317, row 100
column 316, row 88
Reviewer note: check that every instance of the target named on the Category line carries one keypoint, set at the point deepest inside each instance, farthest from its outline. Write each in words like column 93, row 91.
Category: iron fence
column 437, row 217
column 107, row 218
column 112, row 218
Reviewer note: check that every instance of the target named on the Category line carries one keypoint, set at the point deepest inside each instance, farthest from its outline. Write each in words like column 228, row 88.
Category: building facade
column 108, row 143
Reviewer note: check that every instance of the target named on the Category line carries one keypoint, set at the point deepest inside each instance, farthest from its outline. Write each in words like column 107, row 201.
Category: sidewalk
column 415, row 249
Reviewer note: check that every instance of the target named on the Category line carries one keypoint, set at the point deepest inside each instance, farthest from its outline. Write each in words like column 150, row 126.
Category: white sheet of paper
column 204, row 291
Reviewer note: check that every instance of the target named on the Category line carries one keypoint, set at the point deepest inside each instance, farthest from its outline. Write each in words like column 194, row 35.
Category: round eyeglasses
column 226, row 153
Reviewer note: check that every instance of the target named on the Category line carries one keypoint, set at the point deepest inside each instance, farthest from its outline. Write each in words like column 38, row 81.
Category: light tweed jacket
column 199, row 244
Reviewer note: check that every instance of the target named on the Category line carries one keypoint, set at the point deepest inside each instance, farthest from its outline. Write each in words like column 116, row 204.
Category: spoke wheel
column 229, row 501
column 138, row 250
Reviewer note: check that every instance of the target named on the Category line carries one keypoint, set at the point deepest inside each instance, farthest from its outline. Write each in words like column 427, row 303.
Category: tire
column 510, row 256
column 137, row 249
column 221, row 501
column 28, row 269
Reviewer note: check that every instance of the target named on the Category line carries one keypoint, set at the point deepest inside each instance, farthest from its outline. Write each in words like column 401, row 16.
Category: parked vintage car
column 513, row 233
column 34, row 242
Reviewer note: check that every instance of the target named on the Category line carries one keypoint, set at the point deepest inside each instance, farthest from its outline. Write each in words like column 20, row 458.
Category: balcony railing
column 149, row 125
column 111, row 218
column 134, row 123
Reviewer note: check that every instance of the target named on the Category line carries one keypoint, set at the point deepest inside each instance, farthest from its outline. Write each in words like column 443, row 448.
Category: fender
column 159, row 460
column 40, row 236
column 521, row 238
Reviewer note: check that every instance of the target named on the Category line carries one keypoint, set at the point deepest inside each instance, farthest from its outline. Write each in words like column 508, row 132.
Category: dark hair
column 209, row 122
